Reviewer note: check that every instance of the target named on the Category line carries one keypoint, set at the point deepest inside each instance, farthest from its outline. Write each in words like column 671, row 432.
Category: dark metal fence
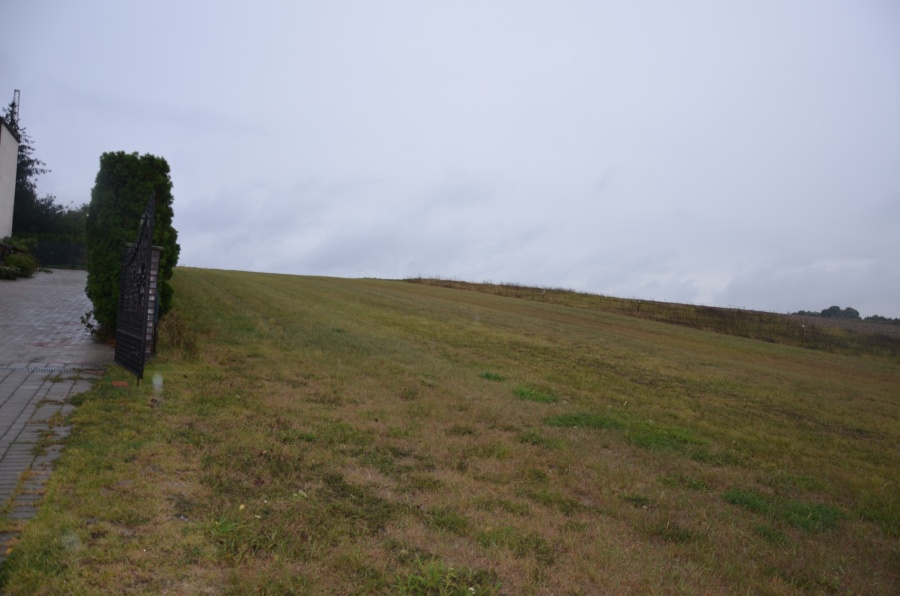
column 61, row 255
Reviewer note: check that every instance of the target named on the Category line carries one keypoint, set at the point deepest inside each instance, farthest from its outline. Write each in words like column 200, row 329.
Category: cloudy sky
column 731, row 153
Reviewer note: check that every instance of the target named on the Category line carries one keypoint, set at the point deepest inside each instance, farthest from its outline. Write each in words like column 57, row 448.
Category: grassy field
column 334, row 436
column 845, row 336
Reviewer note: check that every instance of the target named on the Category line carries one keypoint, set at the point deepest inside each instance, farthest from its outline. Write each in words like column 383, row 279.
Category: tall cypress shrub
column 124, row 184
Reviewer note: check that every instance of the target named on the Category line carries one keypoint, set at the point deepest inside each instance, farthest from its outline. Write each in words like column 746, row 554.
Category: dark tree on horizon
column 34, row 215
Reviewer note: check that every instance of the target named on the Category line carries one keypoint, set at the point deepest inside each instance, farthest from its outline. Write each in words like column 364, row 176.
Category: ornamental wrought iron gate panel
column 132, row 322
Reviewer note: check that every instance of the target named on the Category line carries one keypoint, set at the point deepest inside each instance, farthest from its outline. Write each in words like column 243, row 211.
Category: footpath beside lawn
column 321, row 435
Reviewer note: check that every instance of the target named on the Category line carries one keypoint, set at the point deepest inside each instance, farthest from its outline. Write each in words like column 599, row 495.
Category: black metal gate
column 132, row 321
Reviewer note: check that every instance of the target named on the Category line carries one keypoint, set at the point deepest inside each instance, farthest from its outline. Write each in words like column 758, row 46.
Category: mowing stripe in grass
column 583, row 420
column 812, row 517
column 652, row 436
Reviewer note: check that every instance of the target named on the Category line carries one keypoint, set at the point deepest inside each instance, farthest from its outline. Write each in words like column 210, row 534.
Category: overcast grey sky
column 731, row 153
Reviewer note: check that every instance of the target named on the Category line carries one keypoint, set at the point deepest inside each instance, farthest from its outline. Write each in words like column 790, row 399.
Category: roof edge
column 6, row 125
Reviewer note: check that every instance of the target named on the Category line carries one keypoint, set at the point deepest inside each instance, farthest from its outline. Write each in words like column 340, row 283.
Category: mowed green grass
column 319, row 435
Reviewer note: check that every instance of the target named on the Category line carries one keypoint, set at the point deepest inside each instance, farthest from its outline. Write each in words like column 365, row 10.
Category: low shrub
column 7, row 272
column 26, row 264
column 177, row 332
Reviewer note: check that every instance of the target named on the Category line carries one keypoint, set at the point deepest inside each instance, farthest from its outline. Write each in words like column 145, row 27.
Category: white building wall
column 9, row 159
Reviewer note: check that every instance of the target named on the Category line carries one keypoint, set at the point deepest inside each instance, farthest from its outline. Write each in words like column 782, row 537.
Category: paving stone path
column 46, row 356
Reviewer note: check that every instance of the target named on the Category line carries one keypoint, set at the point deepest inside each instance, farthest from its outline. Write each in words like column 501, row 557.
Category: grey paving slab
column 22, row 512
column 46, row 356
column 40, row 320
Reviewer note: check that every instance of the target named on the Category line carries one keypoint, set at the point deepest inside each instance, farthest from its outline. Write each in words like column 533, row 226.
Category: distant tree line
column 836, row 312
